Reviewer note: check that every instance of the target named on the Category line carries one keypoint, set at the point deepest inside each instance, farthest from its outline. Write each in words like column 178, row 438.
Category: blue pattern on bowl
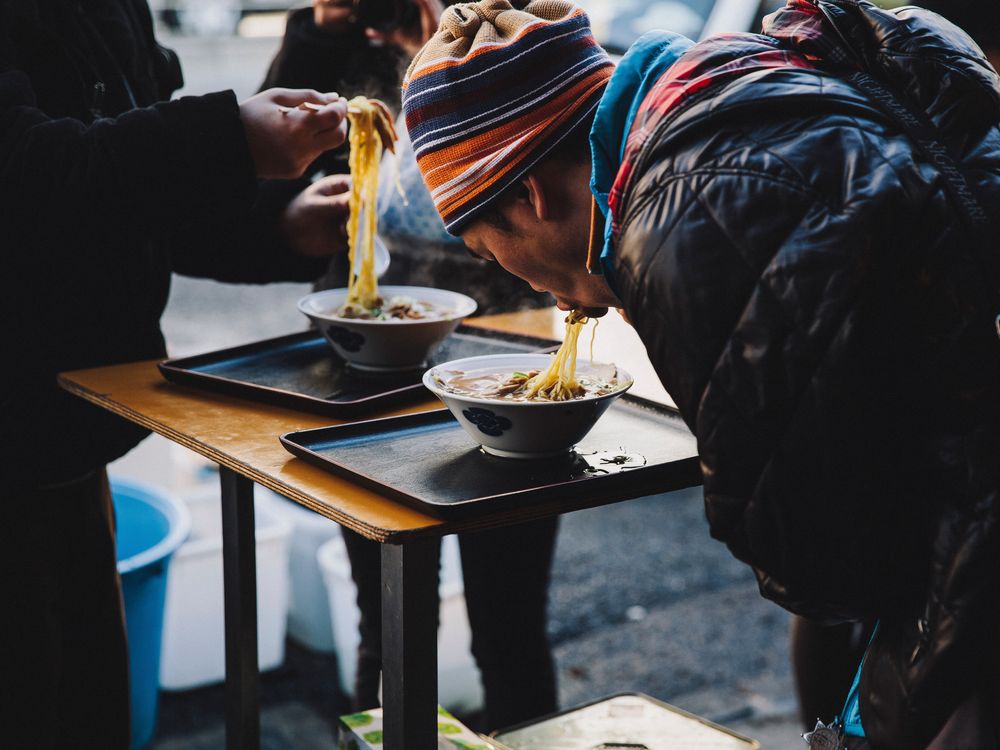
column 487, row 422
column 349, row 341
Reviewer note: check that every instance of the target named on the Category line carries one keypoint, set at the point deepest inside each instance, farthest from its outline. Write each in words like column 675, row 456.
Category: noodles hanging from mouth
column 371, row 131
column 558, row 382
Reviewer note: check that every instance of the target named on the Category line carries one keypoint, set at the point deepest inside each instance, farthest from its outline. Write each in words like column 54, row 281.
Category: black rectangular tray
column 428, row 461
column 301, row 371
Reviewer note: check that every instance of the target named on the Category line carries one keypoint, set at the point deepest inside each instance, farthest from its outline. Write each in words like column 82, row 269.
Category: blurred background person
column 363, row 49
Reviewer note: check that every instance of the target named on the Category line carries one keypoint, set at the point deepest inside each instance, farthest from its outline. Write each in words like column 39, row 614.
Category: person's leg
column 366, row 570
column 506, row 592
column 364, row 556
column 64, row 670
column 824, row 660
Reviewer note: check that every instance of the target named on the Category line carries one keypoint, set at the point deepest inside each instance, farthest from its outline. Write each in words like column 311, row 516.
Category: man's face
column 545, row 242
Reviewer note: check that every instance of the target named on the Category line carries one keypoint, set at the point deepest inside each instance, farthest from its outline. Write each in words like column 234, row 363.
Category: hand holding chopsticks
column 310, row 124
column 383, row 119
column 312, row 107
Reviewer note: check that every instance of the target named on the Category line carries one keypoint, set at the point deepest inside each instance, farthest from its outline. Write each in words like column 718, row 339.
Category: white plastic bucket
column 459, row 686
column 308, row 607
column 194, row 620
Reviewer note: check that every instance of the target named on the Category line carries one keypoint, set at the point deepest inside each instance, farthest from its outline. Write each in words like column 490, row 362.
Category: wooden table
column 242, row 437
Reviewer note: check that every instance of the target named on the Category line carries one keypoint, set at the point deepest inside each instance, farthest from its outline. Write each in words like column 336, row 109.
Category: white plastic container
column 161, row 463
column 308, row 605
column 459, row 686
column 193, row 629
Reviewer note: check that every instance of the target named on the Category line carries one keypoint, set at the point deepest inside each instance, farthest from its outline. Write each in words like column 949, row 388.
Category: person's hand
column 411, row 39
column 315, row 222
column 333, row 16
column 285, row 139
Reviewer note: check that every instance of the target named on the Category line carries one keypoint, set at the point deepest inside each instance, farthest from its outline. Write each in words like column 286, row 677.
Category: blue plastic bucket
column 151, row 526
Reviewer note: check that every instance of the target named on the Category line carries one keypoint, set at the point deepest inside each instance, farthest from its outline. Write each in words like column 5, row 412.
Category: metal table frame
column 409, row 629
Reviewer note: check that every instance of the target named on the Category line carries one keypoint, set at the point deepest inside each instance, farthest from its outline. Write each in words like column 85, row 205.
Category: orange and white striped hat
column 495, row 89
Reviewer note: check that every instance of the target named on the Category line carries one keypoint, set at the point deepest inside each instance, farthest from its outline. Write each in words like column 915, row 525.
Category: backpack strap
column 927, row 138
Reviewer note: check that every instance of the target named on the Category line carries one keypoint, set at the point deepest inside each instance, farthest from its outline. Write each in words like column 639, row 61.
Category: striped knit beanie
column 495, row 89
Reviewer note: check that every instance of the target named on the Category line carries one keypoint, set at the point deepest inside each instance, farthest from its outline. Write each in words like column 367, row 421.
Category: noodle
column 371, row 131
column 558, row 382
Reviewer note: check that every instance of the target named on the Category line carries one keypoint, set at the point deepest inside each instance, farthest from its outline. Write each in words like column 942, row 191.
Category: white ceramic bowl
column 522, row 429
column 386, row 345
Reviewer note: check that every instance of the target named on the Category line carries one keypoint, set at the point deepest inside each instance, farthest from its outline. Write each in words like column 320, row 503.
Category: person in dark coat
column 506, row 572
column 104, row 193
column 815, row 282
column 824, row 656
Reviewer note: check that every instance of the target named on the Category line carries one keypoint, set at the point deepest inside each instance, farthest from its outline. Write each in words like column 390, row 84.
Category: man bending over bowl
column 814, row 288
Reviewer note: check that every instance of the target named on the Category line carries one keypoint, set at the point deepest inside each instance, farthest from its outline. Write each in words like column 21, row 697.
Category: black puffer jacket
column 101, row 196
column 811, row 299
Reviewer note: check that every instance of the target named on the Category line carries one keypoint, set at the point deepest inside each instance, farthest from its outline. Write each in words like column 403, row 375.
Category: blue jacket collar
column 638, row 71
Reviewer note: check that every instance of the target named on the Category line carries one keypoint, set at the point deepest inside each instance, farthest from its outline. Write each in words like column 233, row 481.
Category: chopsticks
column 310, row 106
column 383, row 120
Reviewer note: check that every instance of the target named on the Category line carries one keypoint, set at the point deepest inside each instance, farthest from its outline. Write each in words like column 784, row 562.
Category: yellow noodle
column 593, row 335
column 366, row 153
column 558, row 382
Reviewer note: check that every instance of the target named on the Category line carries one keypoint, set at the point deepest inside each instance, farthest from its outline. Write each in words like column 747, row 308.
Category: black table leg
column 409, row 645
column 240, row 577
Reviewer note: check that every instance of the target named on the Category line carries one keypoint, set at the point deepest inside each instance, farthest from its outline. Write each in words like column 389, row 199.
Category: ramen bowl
column 522, row 429
column 387, row 345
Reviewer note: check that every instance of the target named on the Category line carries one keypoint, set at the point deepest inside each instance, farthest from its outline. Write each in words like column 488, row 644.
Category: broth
column 514, row 385
column 395, row 308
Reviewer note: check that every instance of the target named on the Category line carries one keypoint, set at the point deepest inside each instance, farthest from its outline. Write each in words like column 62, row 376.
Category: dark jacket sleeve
column 140, row 173
column 179, row 170
column 248, row 246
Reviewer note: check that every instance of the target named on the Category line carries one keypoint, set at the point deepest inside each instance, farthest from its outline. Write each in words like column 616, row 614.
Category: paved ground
column 642, row 599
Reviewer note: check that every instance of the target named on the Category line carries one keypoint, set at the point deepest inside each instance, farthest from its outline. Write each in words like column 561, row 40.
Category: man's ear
column 534, row 193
